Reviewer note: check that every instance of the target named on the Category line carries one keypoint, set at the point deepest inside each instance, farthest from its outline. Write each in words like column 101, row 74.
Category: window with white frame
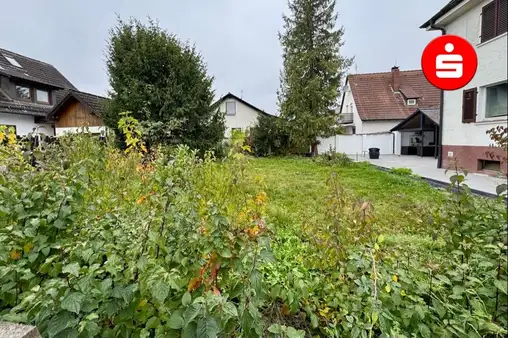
column 411, row 102
column 496, row 100
column 231, row 108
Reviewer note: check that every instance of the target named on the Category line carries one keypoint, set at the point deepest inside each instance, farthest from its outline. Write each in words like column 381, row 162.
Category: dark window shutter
column 502, row 17
column 489, row 21
column 469, row 106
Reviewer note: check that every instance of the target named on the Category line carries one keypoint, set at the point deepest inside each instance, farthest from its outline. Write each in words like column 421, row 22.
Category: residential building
column 239, row 114
column 377, row 102
column 29, row 92
column 468, row 113
column 76, row 110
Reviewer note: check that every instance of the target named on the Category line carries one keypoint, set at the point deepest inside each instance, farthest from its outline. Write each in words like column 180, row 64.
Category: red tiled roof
column 375, row 99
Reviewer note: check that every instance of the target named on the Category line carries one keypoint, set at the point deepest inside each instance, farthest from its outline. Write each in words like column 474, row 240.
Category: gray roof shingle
column 32, row 70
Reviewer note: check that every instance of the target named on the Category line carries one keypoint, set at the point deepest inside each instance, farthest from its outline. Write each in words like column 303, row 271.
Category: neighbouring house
column 239, row 114
column 32, row 90
column 468, row 113
column 76, row 110
column 377, row 102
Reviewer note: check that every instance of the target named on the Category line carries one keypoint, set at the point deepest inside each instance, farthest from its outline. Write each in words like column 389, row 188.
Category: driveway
column 427, row 167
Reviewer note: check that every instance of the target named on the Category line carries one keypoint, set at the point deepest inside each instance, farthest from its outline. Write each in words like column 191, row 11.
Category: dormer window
column 411, row 102
column 23, row 93
column 42, row 96
column 12, row 61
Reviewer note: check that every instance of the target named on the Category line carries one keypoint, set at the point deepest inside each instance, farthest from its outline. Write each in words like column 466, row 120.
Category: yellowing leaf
column 27, row 247
column 388, row 288
column 140, row 200
column 395, row 278
column 15, row 255
column 402, row 292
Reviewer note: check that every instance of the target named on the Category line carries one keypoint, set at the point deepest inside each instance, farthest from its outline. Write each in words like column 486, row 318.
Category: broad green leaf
column 60, row 322
column 207, row 328
column 176, row 320
column 186, row 299
column 191, row 312
column 230, row 309
column 190, row 331
column 72, row 269
column 72, row 302
column 293, row 333
column 152, row 323
column 501, row 285
column 275, row 328
column 225, row 252
column 160, row 291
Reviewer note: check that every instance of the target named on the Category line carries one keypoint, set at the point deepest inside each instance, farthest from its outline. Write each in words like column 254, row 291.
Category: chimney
column 395, row 79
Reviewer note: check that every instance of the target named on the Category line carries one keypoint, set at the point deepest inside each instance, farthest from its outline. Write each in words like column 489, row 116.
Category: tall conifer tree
column 313, row 69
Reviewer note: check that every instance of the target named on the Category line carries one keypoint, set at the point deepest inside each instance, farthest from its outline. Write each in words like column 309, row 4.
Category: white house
column 35, row 95
column 239, row 114
column 377, row 102
column 469, row 112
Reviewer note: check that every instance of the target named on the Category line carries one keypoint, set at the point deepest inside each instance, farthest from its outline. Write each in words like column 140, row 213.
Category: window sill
column 493, row 121
column 491, row 40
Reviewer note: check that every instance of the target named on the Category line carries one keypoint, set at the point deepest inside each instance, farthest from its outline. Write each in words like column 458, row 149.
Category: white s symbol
column 449, row 66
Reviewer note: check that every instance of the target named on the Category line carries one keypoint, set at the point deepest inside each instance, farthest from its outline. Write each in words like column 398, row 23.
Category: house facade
column 469, row 112
column 239, row 114
column 30, row 95
column 376, row 102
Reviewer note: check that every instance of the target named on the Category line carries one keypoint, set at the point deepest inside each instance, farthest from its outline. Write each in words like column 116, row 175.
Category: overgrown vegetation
column 109, row 243
column 333, row 158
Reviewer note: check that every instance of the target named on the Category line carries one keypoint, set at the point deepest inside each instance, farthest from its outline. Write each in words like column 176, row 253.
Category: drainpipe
column 441, row 100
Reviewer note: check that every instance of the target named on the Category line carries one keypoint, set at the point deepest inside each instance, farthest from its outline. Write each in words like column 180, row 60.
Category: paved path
column 427, row 167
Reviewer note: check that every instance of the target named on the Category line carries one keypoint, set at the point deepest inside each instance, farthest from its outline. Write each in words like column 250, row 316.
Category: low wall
column 359, row 143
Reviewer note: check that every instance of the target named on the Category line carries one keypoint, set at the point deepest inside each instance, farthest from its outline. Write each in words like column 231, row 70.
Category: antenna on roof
column 356, row 68
column 241, row 94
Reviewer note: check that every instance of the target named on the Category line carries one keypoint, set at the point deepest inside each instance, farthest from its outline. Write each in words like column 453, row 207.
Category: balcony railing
column 346, row 118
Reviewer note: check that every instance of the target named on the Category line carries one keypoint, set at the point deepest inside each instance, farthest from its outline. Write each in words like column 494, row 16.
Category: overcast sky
column 237, row 38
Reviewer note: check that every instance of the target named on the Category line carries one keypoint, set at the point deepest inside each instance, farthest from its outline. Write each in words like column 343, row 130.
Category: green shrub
column 333, row 158
column 402, row 171
column 268, row 138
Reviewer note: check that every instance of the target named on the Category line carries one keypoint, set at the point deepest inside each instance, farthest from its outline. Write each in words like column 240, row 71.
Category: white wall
column 245, row 117
column 71, row 130
column 492, row 69
column 370, row 127
column 24, row 124
column 349, row 107
column 357, row 144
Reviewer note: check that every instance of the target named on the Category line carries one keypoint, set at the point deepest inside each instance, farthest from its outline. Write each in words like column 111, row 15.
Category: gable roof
column 232, row 96
column 375, row 99
column 32, row 70
column 431, row 114
column 95, row 103
column 448, row 7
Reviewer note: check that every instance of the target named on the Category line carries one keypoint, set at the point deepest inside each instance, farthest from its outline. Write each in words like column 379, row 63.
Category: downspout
column 441, row 100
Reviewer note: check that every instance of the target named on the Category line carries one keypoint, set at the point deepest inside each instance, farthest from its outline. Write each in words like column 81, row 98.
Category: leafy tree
column 313, row 69
column 164, row 83
column 267, row 137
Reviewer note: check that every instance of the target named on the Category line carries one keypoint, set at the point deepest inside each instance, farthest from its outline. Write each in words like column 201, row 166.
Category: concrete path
column 427, row 167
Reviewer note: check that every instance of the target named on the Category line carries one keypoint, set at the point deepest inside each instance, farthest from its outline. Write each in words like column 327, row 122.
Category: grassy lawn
column 298, row 190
